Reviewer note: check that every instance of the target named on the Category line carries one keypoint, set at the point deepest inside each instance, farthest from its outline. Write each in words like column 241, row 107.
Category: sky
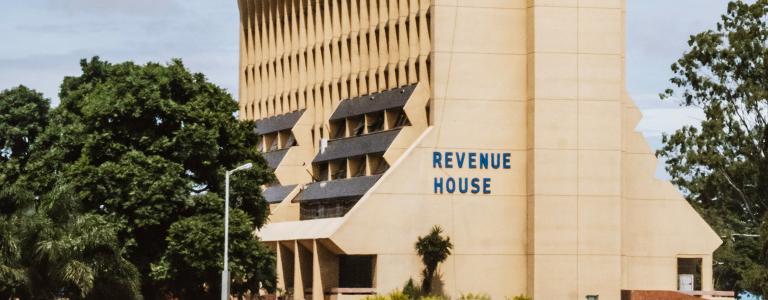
column 44, row 40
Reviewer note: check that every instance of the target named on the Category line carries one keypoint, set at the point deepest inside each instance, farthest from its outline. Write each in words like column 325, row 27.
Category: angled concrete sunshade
column 377, row 142
column 278, row 123
column 393, row 98
column 276, row 194
column 274, row 158
column 344, row 188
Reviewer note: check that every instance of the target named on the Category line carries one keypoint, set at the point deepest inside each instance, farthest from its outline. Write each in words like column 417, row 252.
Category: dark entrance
column 356, row 271
column 689, row 274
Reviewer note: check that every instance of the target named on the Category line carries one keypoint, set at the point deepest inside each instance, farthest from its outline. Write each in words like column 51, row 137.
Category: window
column 339, row 169
column 321, row 173
column 289, row 139
column 357, row 166
column 375, row 122
column 356, row 271
column 270, row 142
column 377, row 164
column 331, row 208
column 396, row 118
column 337, row 129
column 689, row 274
column 356, row 126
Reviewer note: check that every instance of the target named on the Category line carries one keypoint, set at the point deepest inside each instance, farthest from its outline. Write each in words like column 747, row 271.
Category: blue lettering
column 449, row 160
column 450, row 185
column 495, row 160
column 463, row 185
column 483, row 160
column 460, row 157
column 486, row 185
column 475, row 185
column 438, row 185
column 472, row 160
column 507, row 160
column 436, row 157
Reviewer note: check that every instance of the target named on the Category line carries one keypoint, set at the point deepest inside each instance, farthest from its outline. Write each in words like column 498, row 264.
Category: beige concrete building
column 506, row 122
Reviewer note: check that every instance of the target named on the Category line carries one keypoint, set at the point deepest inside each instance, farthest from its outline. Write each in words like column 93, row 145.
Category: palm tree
column 75, row 255
column 433, row 249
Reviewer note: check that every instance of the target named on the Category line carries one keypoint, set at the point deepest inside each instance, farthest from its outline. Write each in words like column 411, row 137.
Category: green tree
column 23, row 116
column 194, row 253
column 721, row 165
column 433, row 249
column 73, row 254
column 139, row 145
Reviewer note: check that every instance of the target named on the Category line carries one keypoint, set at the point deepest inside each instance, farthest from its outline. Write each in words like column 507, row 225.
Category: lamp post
column 225, row 272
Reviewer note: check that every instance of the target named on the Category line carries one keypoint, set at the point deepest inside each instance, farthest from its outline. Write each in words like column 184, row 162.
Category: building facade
column 505, row 122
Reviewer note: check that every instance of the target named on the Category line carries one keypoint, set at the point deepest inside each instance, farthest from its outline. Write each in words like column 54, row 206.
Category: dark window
column 378, row 165
column 357, row 166
column 689, row 274
column 401, row 120
column 332, row 208
column 322, row 172
column 375, row 122
column 356, row 271
column 273, row 145
column 290, row 141
column 338, row 129
column 339, row 169
column 359, row 126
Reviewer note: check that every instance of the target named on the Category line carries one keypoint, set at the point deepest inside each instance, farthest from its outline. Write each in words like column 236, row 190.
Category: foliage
column 472, row 296
column 62, row 252
column 433, row 249
column 136, row 154
column 391, row 296
column 721, row 165
column 521, row 297
column 193, row 257
column 23, row 116
column 397, row 295
column 411, row 290
column 432, row 297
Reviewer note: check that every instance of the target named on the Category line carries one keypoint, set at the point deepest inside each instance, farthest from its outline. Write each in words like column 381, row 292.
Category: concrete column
column 317, row 277
column 298, row 281
column 706, row 274
column 279, row 269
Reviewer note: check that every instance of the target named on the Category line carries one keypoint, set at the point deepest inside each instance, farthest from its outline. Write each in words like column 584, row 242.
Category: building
column 506, row 122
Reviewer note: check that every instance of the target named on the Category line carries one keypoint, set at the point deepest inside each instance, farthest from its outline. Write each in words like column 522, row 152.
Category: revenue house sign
column 467, row 160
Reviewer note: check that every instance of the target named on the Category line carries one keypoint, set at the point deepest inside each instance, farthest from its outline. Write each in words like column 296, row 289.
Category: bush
column 433, row 297
column 411, row 290
column 521, row 297
column 396, row 295
column 472, row 296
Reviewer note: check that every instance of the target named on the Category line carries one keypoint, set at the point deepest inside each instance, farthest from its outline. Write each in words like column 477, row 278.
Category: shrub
column 411, row 290
column 396, row 295
column 472, row 296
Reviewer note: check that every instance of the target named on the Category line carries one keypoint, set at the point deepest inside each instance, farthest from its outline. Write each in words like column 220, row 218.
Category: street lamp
column 225, row 272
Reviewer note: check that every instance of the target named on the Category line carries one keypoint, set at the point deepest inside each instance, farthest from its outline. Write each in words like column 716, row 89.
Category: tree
column 141, row 145
column 23, row 115
column 433, row 249
column 72, row 254
column 721, row 165
column 194, row 256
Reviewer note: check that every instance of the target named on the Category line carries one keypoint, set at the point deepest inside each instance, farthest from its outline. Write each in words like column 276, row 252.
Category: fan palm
column 433, row 249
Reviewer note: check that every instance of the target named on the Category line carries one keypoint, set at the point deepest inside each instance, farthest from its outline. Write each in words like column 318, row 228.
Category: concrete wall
column 578, row 212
